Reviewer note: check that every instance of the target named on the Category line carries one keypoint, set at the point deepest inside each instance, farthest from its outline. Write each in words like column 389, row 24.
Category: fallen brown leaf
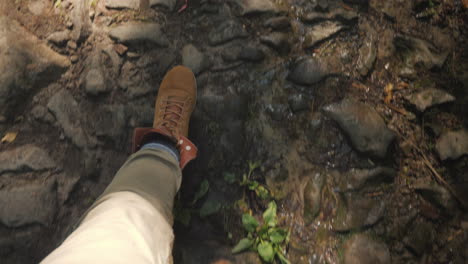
column 9, row 137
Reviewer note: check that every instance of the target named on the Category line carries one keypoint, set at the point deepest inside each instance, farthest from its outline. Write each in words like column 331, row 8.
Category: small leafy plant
column 255, row 186
column 266, row 238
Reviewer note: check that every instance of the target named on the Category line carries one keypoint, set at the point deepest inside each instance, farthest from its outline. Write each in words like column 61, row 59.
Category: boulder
column 453, row 144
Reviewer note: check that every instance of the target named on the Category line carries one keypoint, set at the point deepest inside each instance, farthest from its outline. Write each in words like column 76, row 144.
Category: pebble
column 257, row 6
column 278, row 41
column 307, row 71
column 74, row 58
column 278, row 23
column 72, row 45
column 25, row 158
column 298, row 103
column 225, row 32
column 169, row 4
column 95, row 82
column 193, row 59
column 321, row 32
column 251, row 54
column 59, row 38
column 121, row 4
column 452, row 145
column 429, row 97
column 362, row 249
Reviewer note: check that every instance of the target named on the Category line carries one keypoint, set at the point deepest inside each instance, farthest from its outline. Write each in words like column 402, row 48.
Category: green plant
column 266, row 238
column 252, row 185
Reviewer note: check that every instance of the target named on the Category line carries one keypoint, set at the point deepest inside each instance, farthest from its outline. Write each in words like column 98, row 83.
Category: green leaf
column 253, row 185
column 243, row 244
column 253, row 165
column 277, row 235
column 249, row 223
column 229, row 177
column 262, row 192
column 210, row 207
column 265, row 250
column 202, row 190
column 283, row 259
column 269, row 216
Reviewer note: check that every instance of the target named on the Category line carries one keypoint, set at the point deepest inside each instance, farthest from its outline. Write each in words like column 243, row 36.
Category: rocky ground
column 355, row 110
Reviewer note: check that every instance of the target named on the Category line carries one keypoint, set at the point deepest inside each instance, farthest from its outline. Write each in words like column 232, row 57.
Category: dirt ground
column 355, row 113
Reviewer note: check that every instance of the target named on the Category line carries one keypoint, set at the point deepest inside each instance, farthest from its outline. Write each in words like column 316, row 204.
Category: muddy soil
column 356, row 112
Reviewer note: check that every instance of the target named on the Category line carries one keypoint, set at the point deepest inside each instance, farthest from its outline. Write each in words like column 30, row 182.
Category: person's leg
column 131, row 222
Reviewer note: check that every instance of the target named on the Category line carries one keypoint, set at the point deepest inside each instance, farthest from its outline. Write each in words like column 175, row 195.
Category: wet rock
column 364, row 126
column 95, row 83
column 227, row 31
column 345, row 16
column 257, row 6
column 453, row 144
column 139, row 32
column 418, row 54
column 120, row 4
column 277, row 111
column 81, row 22
column 313, row 196
column 251, row 54
column 278, row 23
column 367, row 57
column 419, row 237
column 66, row 111
column 35, row 202
column 356, row 179
column 170, row 4
column 59, row 38
column 140, row 115
column 278, row 41
column 428, row 98
column 298, row 102
column 307, row 71
column 436, row 194
column 194, row 59
column 25, row 158
column 357, row 212
column 321, row 32
column 110, row 122
column 26, row 52
column 362, row 249
column 36, row 7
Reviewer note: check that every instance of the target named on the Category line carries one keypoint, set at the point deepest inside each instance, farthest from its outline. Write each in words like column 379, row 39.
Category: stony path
column 355, row 109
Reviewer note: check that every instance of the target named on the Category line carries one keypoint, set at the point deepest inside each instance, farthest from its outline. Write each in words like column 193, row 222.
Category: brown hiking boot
column 175, row 103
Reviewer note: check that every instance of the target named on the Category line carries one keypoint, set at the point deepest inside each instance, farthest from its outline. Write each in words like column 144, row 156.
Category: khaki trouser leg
column 132, row 220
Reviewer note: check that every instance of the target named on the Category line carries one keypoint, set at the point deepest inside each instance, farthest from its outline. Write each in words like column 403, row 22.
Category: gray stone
column 298, row 103
column 25, row 158
column 453, row 144
column 170, row 4
column 226, row 31
column 321, row 32
column 367, row 57
column 278, row 23
column 32, row 203
column 307, row 71
column 345, row 16
column 72, row 45
column 418, row 54
column 194, row 59
column 36, row 7
column 277, row 111
column 436, row 194
column 95, row 83
column 313, row 196
column 66, row 111
column 82, row 27
column 429, row 97
column 251, row 54
column 356, row 212
column 257, row 6
column 41, row 113
column 138, row 32
column 361, row 249
column 115, row 59
column 393, row 9
column 278, row 41
column 59, row 38
column 356, row 179
column 120, row 4
column 364, row 126
column 26, row 52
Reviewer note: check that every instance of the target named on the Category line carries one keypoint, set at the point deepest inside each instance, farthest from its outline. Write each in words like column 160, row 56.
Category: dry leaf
column 9, row 137
column 389, row 93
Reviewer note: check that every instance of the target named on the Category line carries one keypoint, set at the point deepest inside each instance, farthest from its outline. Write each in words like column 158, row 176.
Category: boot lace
column 173, row 112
